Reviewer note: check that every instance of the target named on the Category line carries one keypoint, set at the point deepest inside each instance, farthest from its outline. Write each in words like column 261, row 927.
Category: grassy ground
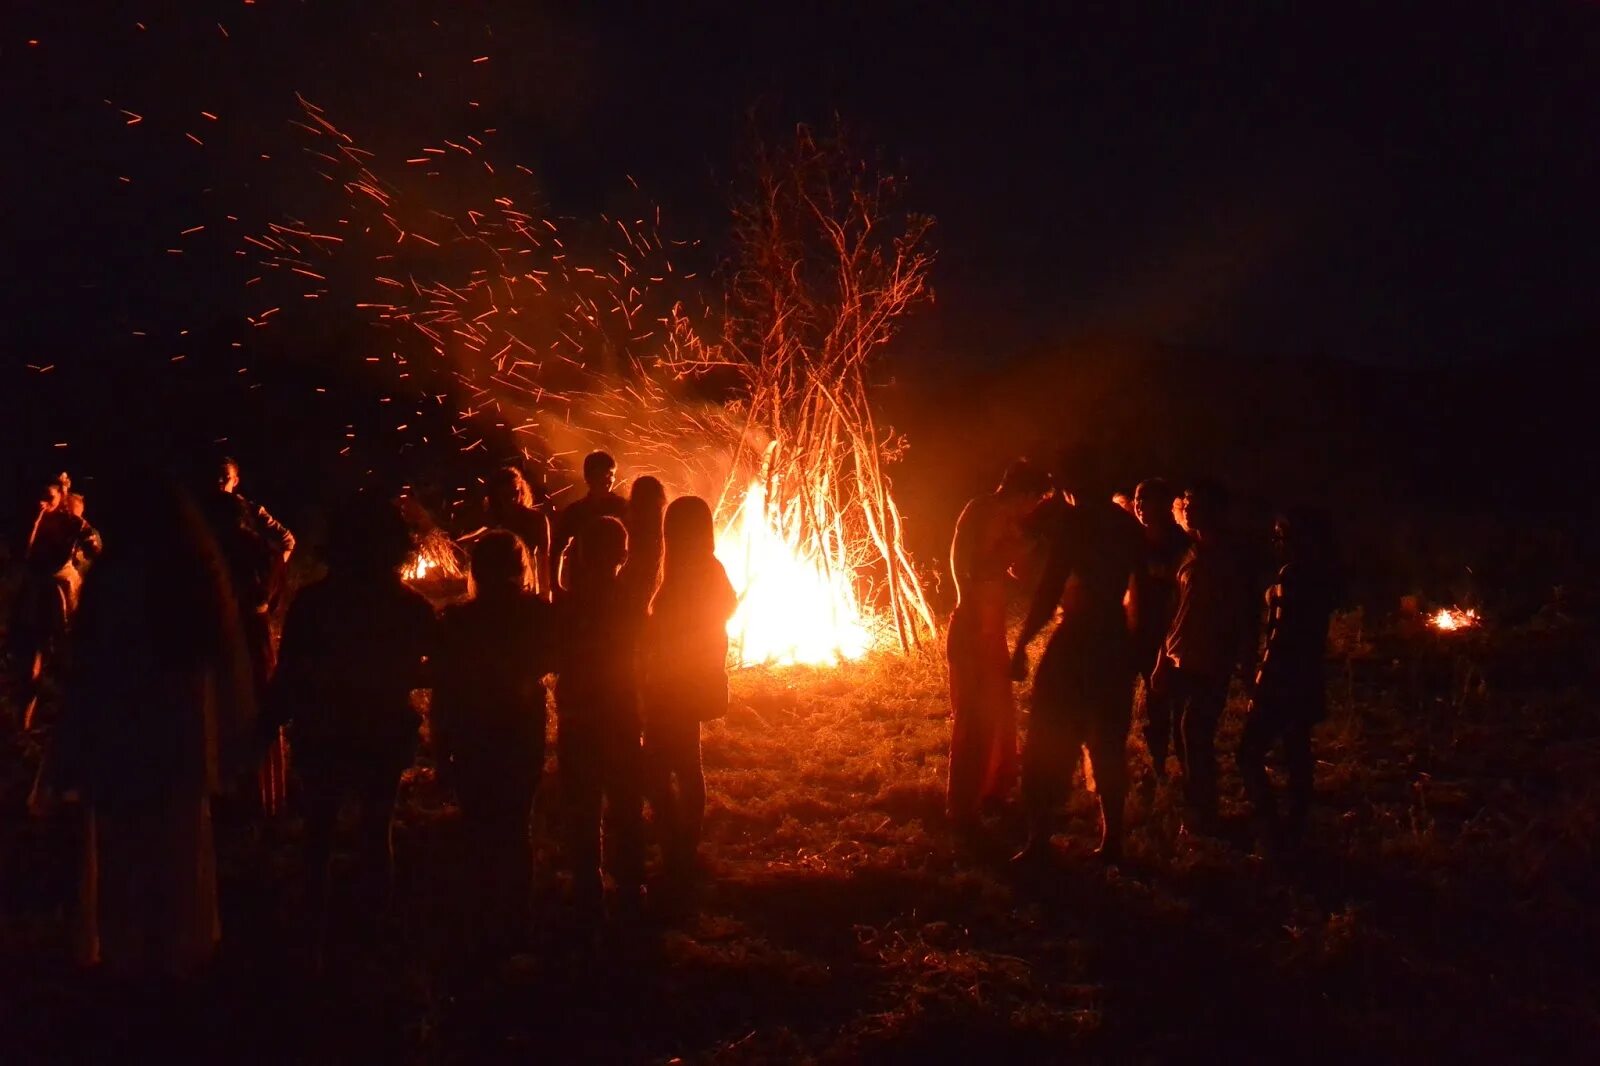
column 1442, row 909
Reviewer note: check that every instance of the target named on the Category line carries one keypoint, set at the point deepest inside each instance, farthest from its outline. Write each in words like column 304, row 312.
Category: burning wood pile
column 499, row 329
column 438, row 559
column 1454, row 619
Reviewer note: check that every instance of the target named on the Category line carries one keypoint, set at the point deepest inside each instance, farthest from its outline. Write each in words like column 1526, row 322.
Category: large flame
column 1450, row 619
column 797, row 601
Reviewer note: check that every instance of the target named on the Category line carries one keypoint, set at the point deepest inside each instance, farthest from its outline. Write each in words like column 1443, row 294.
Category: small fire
column 795, row 605
column 1451, row 619
column 437, row 556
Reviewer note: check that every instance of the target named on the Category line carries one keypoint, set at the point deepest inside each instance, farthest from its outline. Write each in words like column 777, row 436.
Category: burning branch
column 825, row 270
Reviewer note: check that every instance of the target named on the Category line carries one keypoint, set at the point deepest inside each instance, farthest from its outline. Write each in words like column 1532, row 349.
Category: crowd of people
column 174, row 691
column 1151, row 594
column 175, row 687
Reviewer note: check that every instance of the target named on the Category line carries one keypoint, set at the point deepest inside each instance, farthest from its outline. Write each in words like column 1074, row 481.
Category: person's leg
column 1254, row 740
column 657, row 770
column 1297, row 754
column 1108, row 756
column 1206, row 698
column 376, row 781
column 1048, row 755
column 582, row 794
column 679, row 749
column 623, row 802
column 321, row 797
column 966, row 755
column 1157, row 728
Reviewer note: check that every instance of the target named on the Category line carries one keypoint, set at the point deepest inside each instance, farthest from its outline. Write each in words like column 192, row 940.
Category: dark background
column 1340, row 251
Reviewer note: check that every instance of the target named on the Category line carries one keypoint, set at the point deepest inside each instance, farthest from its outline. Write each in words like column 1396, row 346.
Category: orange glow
column 795, row 605
column 1451, row 619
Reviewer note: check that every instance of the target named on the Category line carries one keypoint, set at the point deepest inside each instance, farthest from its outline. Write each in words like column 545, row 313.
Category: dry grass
column 1443, row 908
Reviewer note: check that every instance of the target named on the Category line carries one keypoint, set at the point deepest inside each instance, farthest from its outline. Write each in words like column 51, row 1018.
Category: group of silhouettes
column 174, row 692
column 1154, row 594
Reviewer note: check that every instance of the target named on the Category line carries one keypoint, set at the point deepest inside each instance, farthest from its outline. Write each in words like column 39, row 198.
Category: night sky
column 1339, row 179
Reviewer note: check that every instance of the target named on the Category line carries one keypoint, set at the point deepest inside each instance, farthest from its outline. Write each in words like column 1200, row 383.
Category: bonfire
column 1454, row 619
column 498, row 328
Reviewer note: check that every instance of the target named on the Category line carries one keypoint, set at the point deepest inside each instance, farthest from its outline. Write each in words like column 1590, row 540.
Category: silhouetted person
column 641, row 574
column 1083, row 690
column 158, row 710
column 597, row 707
column 988, row 543
column 1204, row 643
column 60, row 542
column 488, row 723
column 509, row 505
column 1290, row 689
column 1155, row 600
column 685, row 677
column 354, row 646
column 256, row 547
column 599, row 474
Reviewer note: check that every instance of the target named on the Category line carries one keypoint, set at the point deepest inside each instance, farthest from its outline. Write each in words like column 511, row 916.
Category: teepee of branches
column 826, row 266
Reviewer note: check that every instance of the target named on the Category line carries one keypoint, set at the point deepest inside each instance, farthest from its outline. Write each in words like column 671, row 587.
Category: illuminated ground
column 1442, row 911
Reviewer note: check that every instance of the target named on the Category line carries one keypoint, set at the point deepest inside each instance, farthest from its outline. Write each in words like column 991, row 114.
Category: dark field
column 1442, row 907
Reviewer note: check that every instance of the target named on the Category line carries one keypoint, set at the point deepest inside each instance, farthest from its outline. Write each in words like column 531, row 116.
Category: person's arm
column 1045, row 601
column 89, row 541
column 275, row 532
column 542, row 571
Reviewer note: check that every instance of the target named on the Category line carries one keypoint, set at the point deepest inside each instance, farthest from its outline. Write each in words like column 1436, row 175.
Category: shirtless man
column 988, row 542
column 1083, row 691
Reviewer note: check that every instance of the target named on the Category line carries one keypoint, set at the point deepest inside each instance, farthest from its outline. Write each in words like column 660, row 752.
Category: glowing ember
column 417, row 568
column 795, row 606
column 1450, row 619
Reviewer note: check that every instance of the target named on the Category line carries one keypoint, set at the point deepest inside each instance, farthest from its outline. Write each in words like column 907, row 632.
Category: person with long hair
column 685, row 676
column 509, row 504
column 597, row 707
column 641, row 574
column 488, row 723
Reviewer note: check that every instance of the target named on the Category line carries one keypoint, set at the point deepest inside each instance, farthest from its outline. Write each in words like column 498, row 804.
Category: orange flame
column 1452, row 619
column 797, row 604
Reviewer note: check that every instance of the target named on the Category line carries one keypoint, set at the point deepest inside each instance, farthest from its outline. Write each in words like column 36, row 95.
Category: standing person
column 256, row 547
column 685, row 677
column 598, row 724
column 988, row 543
column 1083, row 691
column 488, row 721
column 641, row 574
column 60, row 542
column 599, row 474
column 354, row 646
column 1155, row 599
column 509, row 505
column 1204, row 644
column 158, row 702
column 1290, row 689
